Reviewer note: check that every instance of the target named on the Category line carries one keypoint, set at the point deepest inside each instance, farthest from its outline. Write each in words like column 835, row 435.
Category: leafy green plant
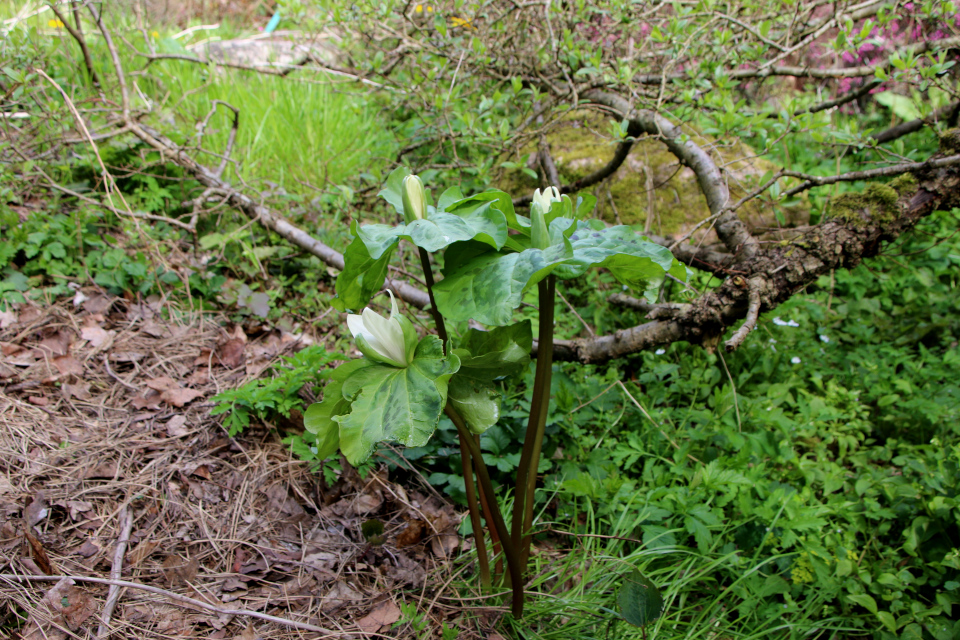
column 403, row 384
column 264, row 399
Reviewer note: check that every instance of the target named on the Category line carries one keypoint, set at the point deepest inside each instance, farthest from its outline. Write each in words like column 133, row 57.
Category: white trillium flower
column 543, row 200
column 390, row 340
column 539, row 226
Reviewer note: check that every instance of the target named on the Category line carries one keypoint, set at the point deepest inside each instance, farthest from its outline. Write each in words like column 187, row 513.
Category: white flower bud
column 414, row 199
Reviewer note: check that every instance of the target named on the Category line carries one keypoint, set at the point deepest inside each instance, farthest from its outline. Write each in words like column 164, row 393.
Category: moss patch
column 877, row 203
column 904, row 184
column 950, row 142
column 581, row 144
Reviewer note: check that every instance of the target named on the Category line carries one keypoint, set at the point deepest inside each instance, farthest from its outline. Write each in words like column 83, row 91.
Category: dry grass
column 91, row 430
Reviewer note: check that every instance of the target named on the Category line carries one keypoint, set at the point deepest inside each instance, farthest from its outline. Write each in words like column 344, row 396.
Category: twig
column 113, row 594
column 176, row 597
column 78, row 36
column 753, row 312
column 881, row 172
column 106, row 363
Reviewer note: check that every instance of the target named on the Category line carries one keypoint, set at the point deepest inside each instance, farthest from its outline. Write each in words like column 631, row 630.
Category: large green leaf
column 398, row 405
column 318, row 418
column 362, row 276
column 488, row 286
column 477, row 401
column 392, row 190
column 640, row 600
column 495, row 354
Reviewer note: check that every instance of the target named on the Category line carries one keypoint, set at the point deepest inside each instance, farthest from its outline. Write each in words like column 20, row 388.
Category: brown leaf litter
column 106, row 407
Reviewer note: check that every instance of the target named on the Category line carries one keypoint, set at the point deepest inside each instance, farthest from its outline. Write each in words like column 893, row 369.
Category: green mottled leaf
column 477, row 401
column 318, row 418
column 641, row 602
column 397, row 405
column 361, row 278
column 392, row 190
column 487, row 286
column 501, row 352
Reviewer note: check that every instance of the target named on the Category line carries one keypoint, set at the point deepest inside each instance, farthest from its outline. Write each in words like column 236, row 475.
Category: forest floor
column 105, row 418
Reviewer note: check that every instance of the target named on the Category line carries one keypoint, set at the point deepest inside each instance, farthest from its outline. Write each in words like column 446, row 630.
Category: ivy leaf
column 641, row 602
column 399, row 405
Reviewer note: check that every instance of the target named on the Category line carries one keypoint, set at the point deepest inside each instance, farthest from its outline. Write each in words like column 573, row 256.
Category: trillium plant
column 491, row 256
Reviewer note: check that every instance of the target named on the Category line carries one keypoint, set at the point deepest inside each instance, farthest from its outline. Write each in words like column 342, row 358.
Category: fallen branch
column 116, row 570
column 176, row 597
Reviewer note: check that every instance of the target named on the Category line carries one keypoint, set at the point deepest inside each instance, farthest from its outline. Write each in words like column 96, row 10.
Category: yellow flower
column 55, row 23
column 419, row 8
column 460, row 22
column 155, row 34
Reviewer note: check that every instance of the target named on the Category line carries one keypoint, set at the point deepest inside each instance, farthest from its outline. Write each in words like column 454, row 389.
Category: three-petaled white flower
column 539, row 225
column 543, row 200
column 391, row 341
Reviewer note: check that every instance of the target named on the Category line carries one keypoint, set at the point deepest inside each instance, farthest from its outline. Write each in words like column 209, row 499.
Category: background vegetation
column 802, row 486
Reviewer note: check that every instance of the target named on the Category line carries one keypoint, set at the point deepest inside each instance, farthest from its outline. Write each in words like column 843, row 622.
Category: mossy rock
column 579, row 147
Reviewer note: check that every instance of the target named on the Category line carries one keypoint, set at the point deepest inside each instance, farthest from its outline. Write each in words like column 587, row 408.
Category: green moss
column 877, row 203
column 950, row 141
column 904, row 184
column 580, row 145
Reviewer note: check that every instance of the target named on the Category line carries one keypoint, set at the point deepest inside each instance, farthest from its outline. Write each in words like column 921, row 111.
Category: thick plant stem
column 494, row 537
column 437, row 317
column 482, row 560
column 465, row 456
column 511, row 551
column 533, row 442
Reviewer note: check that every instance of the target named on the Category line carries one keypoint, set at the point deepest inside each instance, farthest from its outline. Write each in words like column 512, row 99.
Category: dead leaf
column 127, row 356
column 64, row 605
column 384, row 614
column 39, row 401
column 155, row 329
column 5, row 486
column 247, row 634
column 176, row 569
column 231, row 353
column 38, row 553
column 97, row 303
column 75, row 507
column 79, row 391
column 407, row 571
column 87, row 549
column 10, row 349
column 444, row 544
column 8, row 318
column 36, row 509
column 163, row 383
column 140, row 553
column 199, row 377
column 180, row 397
column 96, row 336
column 411, row 535
column 57, row 344
column 367, row 503
column 176, row 427
column 104, row 470
column 29, row 314
column 340, row 594
column 67, row 365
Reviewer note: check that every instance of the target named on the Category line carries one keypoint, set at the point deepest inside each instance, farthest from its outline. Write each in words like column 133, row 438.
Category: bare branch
column 113, row 593
column 904, row 128
column 754, row 286
column 731, row 230
column 78, row 36
column 868, row 174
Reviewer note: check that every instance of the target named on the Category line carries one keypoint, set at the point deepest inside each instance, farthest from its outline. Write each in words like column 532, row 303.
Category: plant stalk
column 511, row 550
column 482, row 560
column 522, row 521
column 494, row 537
column 428, row 278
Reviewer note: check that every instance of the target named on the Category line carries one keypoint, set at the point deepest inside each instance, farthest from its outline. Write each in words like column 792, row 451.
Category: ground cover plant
column 751, row 398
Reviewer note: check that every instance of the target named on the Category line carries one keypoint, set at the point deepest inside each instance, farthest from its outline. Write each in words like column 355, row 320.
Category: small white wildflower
column 785, row 323
column 388, row 340
column 824, row 338
column 660, row 352
column 772, row 341
column 795, row 360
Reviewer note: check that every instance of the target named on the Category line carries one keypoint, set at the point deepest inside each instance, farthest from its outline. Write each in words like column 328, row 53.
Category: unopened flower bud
column 539, row 228
column 414, row 199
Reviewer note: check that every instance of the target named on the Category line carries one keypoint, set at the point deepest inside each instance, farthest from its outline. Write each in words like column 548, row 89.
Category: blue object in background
column 274, row 21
